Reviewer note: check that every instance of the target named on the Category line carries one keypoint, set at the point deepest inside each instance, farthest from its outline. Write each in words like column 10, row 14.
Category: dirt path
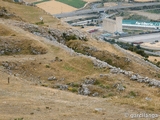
column 154, row 59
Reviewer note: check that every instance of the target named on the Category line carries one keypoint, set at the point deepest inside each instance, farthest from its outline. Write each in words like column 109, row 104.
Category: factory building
column 144, row 0
column 140, row 1
column 112, row 26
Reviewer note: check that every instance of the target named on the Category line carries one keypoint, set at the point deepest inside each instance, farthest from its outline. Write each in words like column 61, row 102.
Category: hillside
column 48, row 80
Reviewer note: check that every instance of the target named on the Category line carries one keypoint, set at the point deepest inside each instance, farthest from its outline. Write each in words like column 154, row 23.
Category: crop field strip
column 40, row 1
column 73, row 3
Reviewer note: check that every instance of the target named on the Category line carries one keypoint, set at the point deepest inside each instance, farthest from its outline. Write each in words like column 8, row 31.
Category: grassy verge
column 138, row 17
column 157, row 11
column 73, row 3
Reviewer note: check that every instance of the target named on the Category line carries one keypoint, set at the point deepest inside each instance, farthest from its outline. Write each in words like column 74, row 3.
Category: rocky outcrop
column 151, row 82
column 56, row 35
column 63, row 87
column 101, row 64
column 53, row 34
column 84, row 90
column 4, row 13
column 9, row 65
column 89, row 81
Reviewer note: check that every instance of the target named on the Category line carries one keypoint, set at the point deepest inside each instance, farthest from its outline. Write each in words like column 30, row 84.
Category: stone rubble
column 62, row 87
column 120, row 87
column 83, row 90
column 89, row 81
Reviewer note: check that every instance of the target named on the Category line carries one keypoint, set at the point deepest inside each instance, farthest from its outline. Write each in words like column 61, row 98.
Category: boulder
column 83, row 90
column 120, row 87
column 95, row 94
column 89, row 81
column 134, row 77
column 52, row 78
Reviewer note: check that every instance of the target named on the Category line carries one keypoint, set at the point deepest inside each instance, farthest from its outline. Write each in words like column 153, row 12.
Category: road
column 88, row 11
column 141, row 38
column 79, row 17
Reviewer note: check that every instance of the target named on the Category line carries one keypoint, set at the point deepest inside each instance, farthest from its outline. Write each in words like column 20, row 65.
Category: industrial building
column 112, row 26
column 144, row 0
column 141, row 24
column 141, row 1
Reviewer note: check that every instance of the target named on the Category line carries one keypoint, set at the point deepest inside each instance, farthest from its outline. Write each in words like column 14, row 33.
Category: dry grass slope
column 30, row 72
column 28, row 13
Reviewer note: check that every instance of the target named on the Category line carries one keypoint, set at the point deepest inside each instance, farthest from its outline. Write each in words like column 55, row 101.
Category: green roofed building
column 135, row 23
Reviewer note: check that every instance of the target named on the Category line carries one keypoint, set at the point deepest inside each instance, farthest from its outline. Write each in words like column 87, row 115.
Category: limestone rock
column 52, row 78
column 83, row 90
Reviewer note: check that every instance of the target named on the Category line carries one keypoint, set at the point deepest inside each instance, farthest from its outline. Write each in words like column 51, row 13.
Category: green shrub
column 39, row 23
column 96, row 82
column 18, row 119
column 110, row 94
column 69, row 37
column 101, row 85
column 75, row 85
column 73, row 89
column 158, row 75
column 131, row 93
column 109, row 61
column 47, row 66
column 108, row 87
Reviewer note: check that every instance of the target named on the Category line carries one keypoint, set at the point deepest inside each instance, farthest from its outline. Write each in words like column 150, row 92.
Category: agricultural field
column 37, row 2
column 73, row 3
column 55, row 7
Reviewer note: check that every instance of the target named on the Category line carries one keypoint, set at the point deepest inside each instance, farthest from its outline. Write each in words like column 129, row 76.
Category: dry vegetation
column 31, row 93
column 108, row 54
column 12, row 43
column 29, row 14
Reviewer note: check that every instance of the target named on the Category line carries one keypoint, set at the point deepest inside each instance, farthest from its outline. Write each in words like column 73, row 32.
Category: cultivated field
column 73, row 3
column 55, row 7
column 91, row 0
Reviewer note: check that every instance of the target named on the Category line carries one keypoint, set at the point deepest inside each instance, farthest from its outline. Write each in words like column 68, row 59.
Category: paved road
column 141, row 38
column 88, row 11
column 79, row 17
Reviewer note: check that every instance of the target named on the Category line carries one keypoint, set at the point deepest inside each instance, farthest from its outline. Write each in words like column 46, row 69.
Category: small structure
column 41, row 18
column 112, row 26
